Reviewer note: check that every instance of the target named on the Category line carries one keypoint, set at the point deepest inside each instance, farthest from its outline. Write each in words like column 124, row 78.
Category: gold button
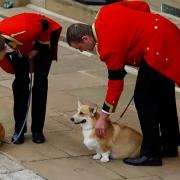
column 134, row 63
column 156, row 19
column 157, row 53
column 155, row 27
column 167, row 59
column 147, row 48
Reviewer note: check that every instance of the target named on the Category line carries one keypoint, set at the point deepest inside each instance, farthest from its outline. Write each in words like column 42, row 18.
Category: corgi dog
column 119, row 142
column 2, row 133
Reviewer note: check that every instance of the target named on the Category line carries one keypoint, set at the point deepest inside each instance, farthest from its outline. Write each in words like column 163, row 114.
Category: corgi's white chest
column 90, row 142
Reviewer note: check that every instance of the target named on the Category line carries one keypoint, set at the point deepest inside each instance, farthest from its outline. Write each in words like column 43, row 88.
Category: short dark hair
column 2, row 43
column 76, row 31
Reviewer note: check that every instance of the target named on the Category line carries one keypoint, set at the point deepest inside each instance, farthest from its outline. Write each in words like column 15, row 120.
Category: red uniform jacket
column 24, row 29
column 126, row 35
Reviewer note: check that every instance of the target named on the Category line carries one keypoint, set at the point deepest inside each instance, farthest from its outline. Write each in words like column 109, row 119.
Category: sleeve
column 116, row 74
column 50, row 36
column 54, row 44
column 113, row 94
column 45, row 24
column 49, row 26
column 137, row 5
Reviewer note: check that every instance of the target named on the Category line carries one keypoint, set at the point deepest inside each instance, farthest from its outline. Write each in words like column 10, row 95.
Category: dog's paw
column 104, row 159
column 97, row 156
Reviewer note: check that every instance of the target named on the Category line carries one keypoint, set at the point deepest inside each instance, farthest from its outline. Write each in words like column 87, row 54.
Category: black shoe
column 169, row 153
column 17, row 140
column 38, row 138
column 143, row 161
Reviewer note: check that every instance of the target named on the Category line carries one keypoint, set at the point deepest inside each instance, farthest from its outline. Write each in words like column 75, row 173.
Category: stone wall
column 156, row 4
column 39, row 3
column 86, row 13
column 17, row 2
column 73, row 9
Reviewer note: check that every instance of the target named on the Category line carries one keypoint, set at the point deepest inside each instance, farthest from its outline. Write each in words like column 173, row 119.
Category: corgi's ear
column 93, row 109
column 79, row 104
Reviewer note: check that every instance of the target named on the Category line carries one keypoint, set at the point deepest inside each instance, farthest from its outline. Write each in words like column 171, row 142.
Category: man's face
column 87, row 44
column 2, row 54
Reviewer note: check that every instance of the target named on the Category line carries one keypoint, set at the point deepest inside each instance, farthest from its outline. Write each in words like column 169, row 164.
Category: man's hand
column 102, row 125
column 32, row 54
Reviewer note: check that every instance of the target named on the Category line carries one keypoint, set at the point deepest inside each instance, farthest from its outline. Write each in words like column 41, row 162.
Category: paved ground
column 64, row 156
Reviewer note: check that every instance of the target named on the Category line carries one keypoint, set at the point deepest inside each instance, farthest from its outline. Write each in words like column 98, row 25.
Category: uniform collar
column 95, row 38
column 94, row 32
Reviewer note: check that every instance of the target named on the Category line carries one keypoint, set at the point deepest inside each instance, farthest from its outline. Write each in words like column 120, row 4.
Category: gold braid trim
column 95, row 37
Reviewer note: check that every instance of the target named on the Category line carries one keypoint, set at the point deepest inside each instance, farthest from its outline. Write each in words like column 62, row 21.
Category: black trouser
column 42, row 64
column 20, row 88
column 155, row 102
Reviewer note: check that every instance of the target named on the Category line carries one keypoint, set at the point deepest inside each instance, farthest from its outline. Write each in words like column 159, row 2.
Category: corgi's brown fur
column 2, row 133
column 120, row 141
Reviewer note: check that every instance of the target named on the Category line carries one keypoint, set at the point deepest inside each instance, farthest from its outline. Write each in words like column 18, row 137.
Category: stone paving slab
column 76, row 168
column 52, row 124
column 147, row 178
column 70, row 142
column 5, row 76
column 174, row 176
column 169, row 168
column 12, row 170
column 33, row 152
column 73, row 61
column 7, row 83
column 21, row 175
column 61, row 101
column 4, row 92
column 6, row 104
column 64, row 81
column 8, row 165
